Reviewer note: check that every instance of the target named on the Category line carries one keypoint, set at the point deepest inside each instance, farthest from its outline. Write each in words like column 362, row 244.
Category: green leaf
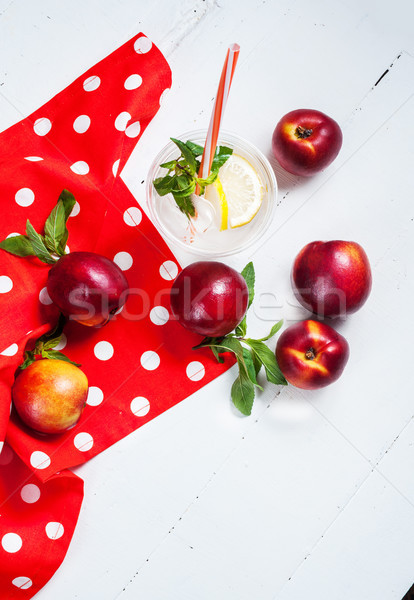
column 222, row 154
column 187, row 155
column 56, row 355
column 68, row 201
column 164, row 185
column 257, row 363
column 249, row 367
column 28, row 360
column 55, row 228
column 268, row 359
column 219, row 358
column 196, row 149
column 241, row 327
column 207, row 180
column 273, row 331
column 38, row 244
column 19, row 245
column 186, row 205
column 170, row 165
column 242, row 394
column 249, row 276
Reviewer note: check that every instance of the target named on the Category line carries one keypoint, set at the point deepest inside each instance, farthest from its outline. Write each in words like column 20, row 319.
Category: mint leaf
column 268, row 359
column 187, row 155
column 68, row 201
column 273, row 331
column 185, row 205
column 242, row 394
column 249, row 276
column 38, row 244
column 170, row 165
column 241, row 328
column 221, row 155
column 181, row 180
column 55, row 228
column 164, row 185
column 19, row 245
column 196, row 149
column 249, row 366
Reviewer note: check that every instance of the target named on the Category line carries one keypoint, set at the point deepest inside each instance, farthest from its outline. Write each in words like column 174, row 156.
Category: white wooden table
column 313, row 495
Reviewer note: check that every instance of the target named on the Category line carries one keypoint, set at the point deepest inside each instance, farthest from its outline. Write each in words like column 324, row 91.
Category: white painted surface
column 312, row 496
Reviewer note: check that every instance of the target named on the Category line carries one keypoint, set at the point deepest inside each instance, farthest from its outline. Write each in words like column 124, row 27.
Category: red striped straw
column 218, row 111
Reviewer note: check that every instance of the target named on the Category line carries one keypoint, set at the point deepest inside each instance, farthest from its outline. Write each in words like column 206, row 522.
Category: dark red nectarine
column 332, row 279
column 87, row 287
column 311, row 354
column 306, row 141
column 209, row 298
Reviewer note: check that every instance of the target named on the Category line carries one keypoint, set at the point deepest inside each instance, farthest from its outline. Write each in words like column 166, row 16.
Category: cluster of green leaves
column 50, row 246
column 44, row 346
column 251, row 355
column 182, row 179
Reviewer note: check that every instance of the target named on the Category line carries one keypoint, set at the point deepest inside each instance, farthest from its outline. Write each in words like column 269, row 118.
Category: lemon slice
column 242, row 190
column 215, row 195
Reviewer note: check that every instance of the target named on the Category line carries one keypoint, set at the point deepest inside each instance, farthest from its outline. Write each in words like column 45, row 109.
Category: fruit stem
column 310, row 354
column 302, row 132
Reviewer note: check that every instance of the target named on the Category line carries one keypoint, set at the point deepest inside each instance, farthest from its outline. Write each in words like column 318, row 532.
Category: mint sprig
column 50, row 246
column 251, row 355
column 182, row 179
column 44, row 347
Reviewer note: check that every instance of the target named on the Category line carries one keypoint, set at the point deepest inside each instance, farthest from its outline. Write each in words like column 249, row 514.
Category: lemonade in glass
column 234, row 210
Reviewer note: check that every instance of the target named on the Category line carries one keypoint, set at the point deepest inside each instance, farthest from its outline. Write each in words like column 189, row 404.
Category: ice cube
column 205, row 214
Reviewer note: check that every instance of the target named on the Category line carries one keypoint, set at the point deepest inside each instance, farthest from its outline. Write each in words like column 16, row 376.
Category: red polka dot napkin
column 138, row 365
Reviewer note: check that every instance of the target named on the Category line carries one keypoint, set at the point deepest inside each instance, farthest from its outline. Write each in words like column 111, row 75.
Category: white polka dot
column 14, row 234
column 11, row 542
column 6, row 284
column 39, row 460
column 133, row 82
column 80, row 167
column 91, row 83
column 44, row 296
column 75, row 210
column 6, row 455
column 11, row 350
column 54, row 530
column 163, row 95
column 62, row 343
column 83, row 441
column 67, row 249
column 33, row 158
column 168, row 270
column 195, row 370
column 133, row 130
column 24, row 197
column 42, row 126
column 123, row 260
column 132, row 216
column 30, row 493
column 115, row 167
column 140, row 406
column 81, row 123
column 103, row 350
column 95, row 396
column 159, row 315
column 150, row 360
column 23, row 583
column 142, row 45
column 122, row 121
